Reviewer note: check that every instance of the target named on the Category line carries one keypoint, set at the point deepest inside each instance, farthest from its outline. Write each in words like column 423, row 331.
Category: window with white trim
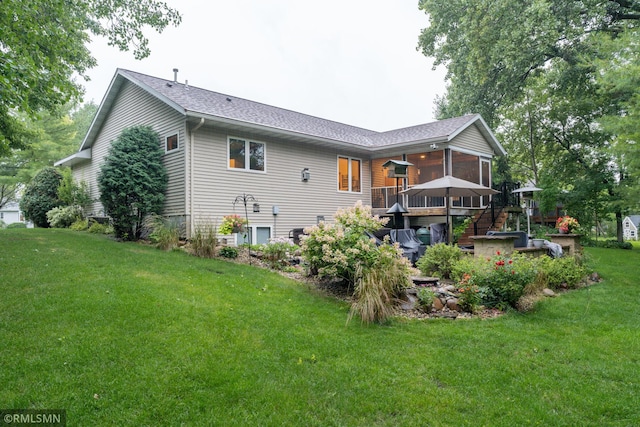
column 171, row 143
column 247, row 155
column 349, row 174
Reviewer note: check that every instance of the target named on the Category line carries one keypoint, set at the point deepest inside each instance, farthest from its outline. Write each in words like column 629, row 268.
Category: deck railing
column 385, row 197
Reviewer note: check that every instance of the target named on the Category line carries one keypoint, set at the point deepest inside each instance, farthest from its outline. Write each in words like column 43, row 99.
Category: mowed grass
column 124, row 334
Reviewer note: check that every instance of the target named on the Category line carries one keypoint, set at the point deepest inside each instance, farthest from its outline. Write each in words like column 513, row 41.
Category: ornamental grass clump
column 204, row 239
column 378, row 288
column 163, row 232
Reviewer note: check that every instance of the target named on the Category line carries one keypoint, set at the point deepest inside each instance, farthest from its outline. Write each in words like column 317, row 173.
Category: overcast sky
column 352, row 61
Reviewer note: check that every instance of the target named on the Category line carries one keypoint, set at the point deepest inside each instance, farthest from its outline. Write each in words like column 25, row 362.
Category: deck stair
column 484, row 224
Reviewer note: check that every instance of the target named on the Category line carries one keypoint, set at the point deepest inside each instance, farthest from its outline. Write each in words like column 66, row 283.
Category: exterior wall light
column 256, row 207
column 306, row 175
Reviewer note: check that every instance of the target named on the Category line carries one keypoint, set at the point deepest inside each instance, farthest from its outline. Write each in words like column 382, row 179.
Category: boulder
column 548, row 292
column 452, row 304
column 409, row 302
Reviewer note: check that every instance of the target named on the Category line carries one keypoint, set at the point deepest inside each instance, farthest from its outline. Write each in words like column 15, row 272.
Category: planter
column 228, row 239
column 563, row 231
column 538, row 243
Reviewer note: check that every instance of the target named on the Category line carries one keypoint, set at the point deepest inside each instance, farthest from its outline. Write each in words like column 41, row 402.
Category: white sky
column 352, row 61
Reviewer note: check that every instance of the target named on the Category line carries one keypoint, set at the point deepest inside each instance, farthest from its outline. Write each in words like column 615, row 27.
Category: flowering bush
column 277, row 251
column 469, row 297
column 343, row 250
column 501, row 280
column 567, row 224
column 232, row 224
column 338, row 249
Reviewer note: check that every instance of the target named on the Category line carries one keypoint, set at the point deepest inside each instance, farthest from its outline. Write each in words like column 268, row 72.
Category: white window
column 246, row 155
column 171, row 143
column 349, row 174
column 256, row 234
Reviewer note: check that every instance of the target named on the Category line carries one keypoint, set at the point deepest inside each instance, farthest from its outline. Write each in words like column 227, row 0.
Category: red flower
column 498, row 252
column 510, row 261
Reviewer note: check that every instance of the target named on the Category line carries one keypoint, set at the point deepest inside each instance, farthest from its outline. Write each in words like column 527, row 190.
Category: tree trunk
column 619, row 230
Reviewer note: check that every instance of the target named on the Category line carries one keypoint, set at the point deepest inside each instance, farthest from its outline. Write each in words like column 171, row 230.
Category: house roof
column 201, row 103
column 635, row 219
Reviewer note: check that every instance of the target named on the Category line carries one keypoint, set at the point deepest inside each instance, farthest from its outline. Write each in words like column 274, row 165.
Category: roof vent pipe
column 175, row 75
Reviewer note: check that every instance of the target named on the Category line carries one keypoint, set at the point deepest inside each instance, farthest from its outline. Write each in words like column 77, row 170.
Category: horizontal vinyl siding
column 216, row 187
column 471, row 139
column 133, row 107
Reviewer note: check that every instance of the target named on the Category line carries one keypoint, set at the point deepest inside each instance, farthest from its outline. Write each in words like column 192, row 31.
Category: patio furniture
column 412, row 247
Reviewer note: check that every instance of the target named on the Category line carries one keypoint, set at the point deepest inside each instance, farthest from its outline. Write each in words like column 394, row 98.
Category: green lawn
column 124, row 334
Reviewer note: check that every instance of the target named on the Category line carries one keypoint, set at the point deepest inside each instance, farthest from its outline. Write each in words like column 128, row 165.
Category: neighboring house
column 299, row 168
column 630, row 227
column 10, row 213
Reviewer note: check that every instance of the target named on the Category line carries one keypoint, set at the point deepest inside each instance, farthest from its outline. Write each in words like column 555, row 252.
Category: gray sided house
column 630, row 227
column 299, row 168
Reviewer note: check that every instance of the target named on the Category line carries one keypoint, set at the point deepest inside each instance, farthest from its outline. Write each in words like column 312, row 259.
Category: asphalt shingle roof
column 635, row 219
column 201, row 101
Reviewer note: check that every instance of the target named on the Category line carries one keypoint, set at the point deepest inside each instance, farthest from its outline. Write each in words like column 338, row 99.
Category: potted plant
column 566, row 224
column 232, row 224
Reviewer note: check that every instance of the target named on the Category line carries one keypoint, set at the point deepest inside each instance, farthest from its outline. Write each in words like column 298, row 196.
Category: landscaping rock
column 595, row 277
column 548, row 292
column 452, row 304
column 424, row 281
column 450, row 288
column 437, row 304
column 409, row 302
column 446, row 314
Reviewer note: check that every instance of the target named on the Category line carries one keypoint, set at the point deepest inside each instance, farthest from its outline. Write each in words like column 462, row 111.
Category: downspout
column 191, row 162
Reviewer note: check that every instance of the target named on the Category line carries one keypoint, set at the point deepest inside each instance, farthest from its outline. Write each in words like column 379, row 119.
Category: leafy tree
column 524, row 67
column 72, row 193
column 43, row 45
column 619, row 78
column 7, row 193
column 492, row 47
column 53, row 137
column 132, row 180
column 41, row 195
